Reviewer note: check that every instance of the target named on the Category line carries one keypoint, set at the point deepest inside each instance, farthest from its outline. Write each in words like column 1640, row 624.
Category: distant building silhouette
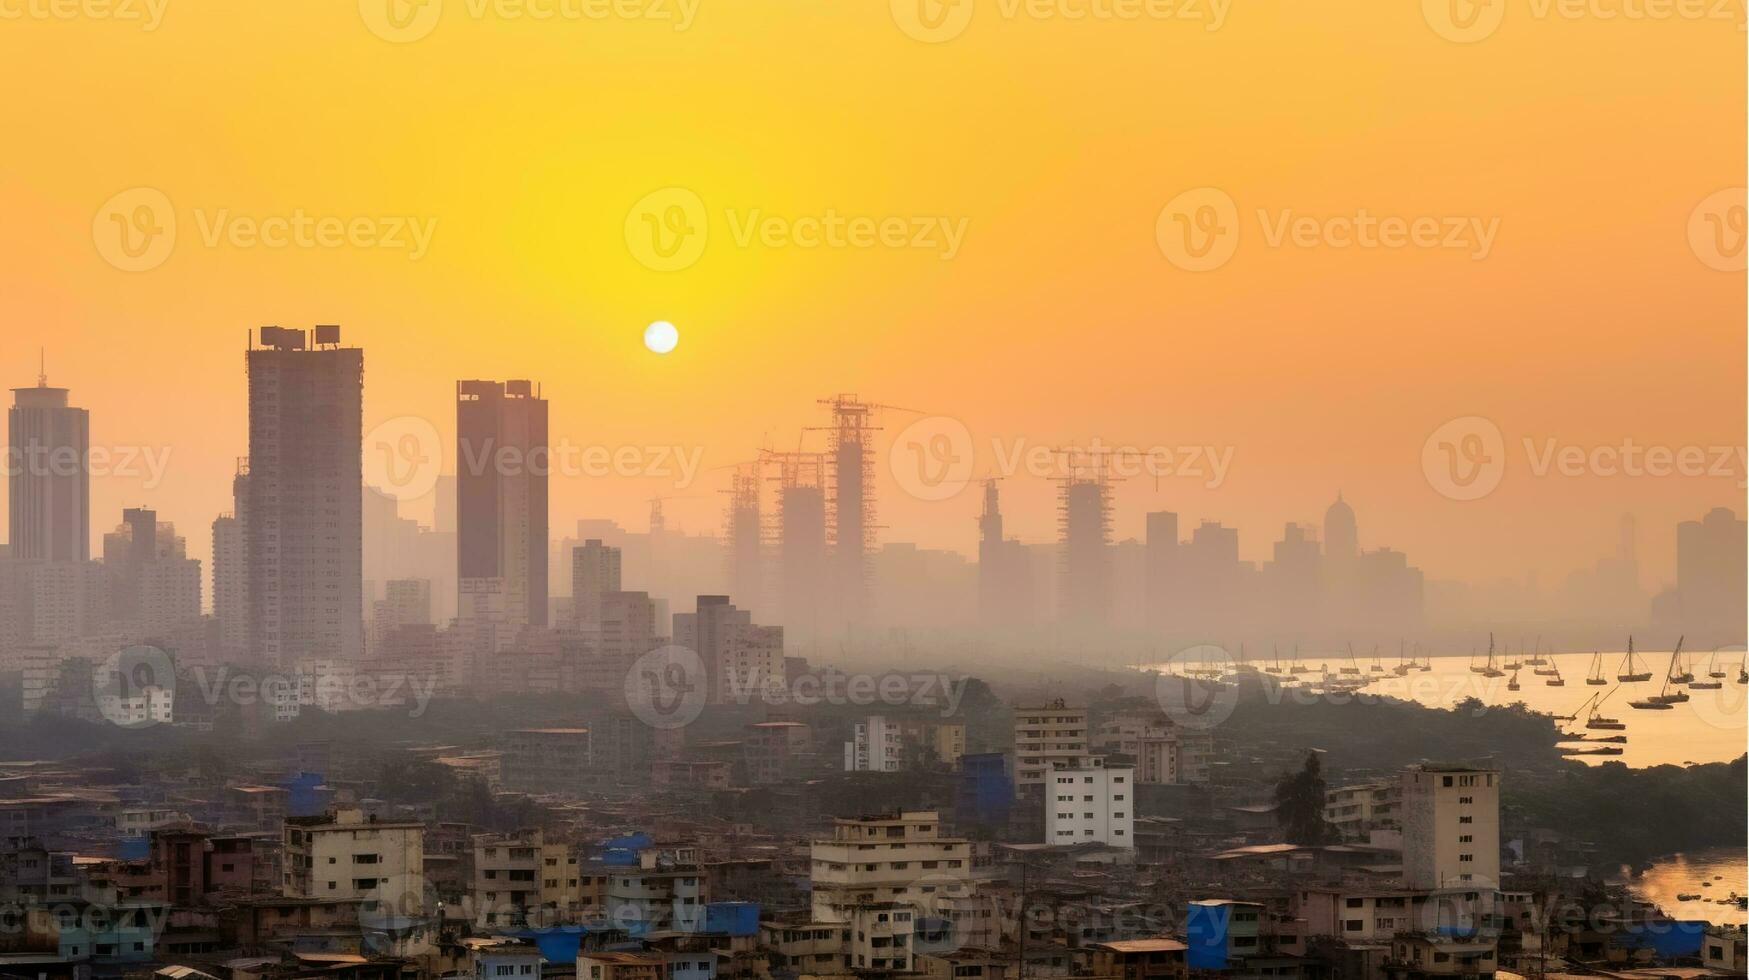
column 1160, row 569
column 1005, row 590
column 1708, row 601
column 304, row 533
column 595, row 571
column 154, row 585
column 1084, row 522
column 1341, row 533
column 801, row 548
column 1294, row 580
column 49, row 502
column 230, row 570
column 501, row 497
column 743, row 659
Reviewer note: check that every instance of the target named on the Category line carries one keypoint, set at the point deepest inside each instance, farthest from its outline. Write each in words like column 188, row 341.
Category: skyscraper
column 1341, row 533
column 231, row 569
column 501, row 494
column 1084, row 519
column 48, row 455
column 1710, row 573
column 595, row 571
column 154, row 585
column 304, row 525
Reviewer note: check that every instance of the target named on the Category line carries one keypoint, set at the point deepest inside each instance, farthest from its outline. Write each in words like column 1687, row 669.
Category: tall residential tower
column 304, row 530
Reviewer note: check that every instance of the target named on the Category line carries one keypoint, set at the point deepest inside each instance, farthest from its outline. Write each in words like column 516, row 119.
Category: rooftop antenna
column 42, row 367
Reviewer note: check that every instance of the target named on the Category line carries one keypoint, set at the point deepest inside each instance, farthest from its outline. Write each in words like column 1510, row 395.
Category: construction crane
column 658, row 523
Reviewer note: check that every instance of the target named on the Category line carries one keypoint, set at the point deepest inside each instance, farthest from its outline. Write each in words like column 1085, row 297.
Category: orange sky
column 523, row 143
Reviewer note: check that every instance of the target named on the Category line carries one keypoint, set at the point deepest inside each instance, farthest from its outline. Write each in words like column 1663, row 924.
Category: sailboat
column 1679, row 672
column 1512, row 664
column 1663, row 700
column 1712, row 671
column 1378, row 666
column 1629, row 675
column 1598, row 720
column 1404, row 665
column 1557, row 680
column 1490, row 670
column 1352, row 668
column 1596, row 677
column 1425, row 663
column 1512, row 685
column 1537, row 659
column 1296, row 667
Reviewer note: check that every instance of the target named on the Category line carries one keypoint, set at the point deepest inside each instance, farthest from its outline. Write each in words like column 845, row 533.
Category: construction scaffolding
column 1084, row 533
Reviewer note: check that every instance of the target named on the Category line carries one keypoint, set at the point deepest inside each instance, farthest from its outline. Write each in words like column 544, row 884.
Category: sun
column 661, row 337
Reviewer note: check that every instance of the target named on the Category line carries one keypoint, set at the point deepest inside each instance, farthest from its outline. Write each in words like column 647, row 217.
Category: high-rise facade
column 595, row 571
column 48, row 456
column 501, row 494
column 231, row 570
column 304, row 525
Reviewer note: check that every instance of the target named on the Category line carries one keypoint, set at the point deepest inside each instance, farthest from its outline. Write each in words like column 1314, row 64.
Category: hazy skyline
column 1060, row 317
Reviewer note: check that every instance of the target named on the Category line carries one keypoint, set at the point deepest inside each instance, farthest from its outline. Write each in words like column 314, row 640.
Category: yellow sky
column 1582, row 144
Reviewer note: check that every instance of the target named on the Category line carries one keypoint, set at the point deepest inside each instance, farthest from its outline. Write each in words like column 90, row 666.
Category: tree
column 1299, row 800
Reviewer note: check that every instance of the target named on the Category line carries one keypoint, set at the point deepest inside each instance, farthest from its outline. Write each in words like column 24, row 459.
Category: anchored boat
column 1629, row 672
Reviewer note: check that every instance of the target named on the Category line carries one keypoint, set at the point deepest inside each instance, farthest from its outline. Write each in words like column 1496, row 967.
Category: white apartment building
column 1048, row 737
column 344, row 855
column 1092, row 805
column 895, row 858
column 667, row 890
column 877, row 746
column 1451, row 827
